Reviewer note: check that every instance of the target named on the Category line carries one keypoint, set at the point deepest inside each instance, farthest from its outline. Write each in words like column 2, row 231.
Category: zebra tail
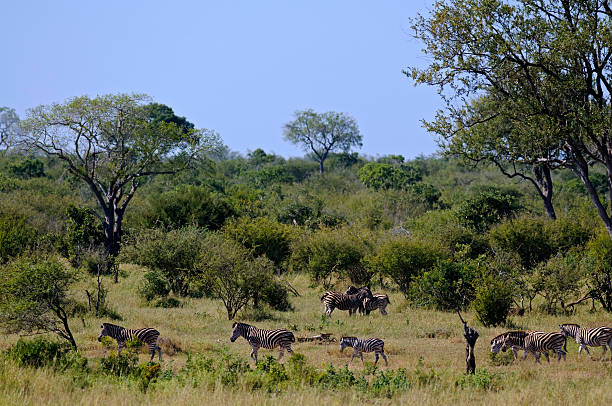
column 565, row 343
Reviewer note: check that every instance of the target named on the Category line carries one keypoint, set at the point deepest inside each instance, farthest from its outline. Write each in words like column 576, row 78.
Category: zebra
column 593, row 337
column 121, row 334
column 539, row 342
column 379, row 301
column 516, row 341
column 375, row 345
column 342, row 301
column 259, row 338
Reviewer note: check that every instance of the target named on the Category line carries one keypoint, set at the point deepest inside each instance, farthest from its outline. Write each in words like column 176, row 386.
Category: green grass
column 425, row 343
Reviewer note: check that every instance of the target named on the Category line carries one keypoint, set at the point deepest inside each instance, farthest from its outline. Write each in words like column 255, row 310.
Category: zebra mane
column 516, row 333
column 569, row 325
column 112, row 325
column 348, row 338
column 242, row 325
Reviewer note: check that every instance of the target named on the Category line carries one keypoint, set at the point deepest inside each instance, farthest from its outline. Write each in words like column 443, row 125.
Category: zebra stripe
column 513, row 339
column 589, row 337
column 343, row 301
column 379, row 301
column 375, row 345
column 121, row 334
column 260, row 338
column 539, row 342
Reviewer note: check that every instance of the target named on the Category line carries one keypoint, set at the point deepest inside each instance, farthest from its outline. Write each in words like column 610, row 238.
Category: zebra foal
column 342, row 301
column 375, row 345
column 121, row 334
column 513, row 339
column 379, row 302
column 589, row 337
column 260, row 338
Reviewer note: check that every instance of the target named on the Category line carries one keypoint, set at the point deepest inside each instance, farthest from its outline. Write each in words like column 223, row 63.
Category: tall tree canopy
column 112, row 143
column 544, row 67
column 323, row 133
column 9, row 125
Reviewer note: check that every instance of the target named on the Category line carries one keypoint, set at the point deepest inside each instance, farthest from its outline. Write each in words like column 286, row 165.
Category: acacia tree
column 481, row 134
column 323, row 133
column 113, row 143
column 544, row 64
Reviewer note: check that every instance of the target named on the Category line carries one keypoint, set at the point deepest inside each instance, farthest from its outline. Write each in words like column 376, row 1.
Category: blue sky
column 239, row 67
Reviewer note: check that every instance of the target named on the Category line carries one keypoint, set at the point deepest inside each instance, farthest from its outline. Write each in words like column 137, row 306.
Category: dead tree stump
column 471, row 336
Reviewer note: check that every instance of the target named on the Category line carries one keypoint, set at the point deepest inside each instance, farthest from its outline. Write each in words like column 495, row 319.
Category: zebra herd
column 363, row 301
column 538, row 342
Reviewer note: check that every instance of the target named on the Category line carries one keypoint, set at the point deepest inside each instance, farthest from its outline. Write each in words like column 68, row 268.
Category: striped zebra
column 259, row 338
column 585, row 337
column 515, row 339
column 538, row 342
column 379, row 301
column 375, row 345
column 342, row 301
column 121, row 334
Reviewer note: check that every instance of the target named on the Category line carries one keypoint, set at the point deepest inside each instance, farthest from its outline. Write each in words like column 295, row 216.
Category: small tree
column 387, row 176
column 9, row 125
column 34, row 297
column 227, row 272
column 323, row 133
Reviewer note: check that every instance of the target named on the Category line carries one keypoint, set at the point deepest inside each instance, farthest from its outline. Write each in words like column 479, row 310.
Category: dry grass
column 413, row 339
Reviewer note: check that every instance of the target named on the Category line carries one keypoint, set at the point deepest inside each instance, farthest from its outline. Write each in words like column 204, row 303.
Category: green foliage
column 39, row 352
column 558, row 280
column 188, row 206
column 598, row 265
column 492, row 301
column 446, row 286
column 402, row 259
column 268, row 176
column 34, row 297
column 487, row 208
column 84, row 231
column 16, row 235
column 264, row 236
column 333, row 252
column 168, row 303
column 387, row 176
column 154, row 284
column 124, row 364
column 482, row 380
column 28, row 168
column 226, row 271
column 173, row 254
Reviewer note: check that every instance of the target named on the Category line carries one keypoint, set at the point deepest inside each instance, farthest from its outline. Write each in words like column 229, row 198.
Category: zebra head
column 347, row 342
column 498, row 343
column 106, row 330
column 569, row 329
column 239, row 330
column 351, row 290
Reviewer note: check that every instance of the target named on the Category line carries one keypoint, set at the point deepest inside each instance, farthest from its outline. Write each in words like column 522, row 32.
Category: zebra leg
column 289, row 350
column 524, row 355
column 280, row 354
column 547, row 357
column 152, row 353
column 159, row 351
column 385, row 358
column 537, row 357
column 361, row 355
column 514, row 352
column 376, row 355
column 587, row 350
column 354, row 353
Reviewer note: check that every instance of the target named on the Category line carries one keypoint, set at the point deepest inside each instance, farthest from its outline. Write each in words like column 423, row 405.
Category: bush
column 402, row 259
column 123, row 364
column 39, row 352
column 447, row 286
column 482, row 379
column 16, row 235
column 487, row 208
column 154, row 284
column 388, row 176
column 337, row 252
column 492, row 302
column 598, row 266
column 557, row 280
column 168, row 303
column 263, row 236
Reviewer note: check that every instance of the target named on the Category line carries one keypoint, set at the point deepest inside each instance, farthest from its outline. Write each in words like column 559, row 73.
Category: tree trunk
column 321, row 170
column 582, row 170
column 544, row 179
column 471, row 336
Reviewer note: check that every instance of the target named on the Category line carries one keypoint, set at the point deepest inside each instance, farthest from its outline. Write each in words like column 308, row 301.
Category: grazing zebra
column 538, row 342
column 379, row 301
column 514, row 339
column 375, row 345
column 259, row 338
column 593, row 337
column 146, row 335
column 342, row 301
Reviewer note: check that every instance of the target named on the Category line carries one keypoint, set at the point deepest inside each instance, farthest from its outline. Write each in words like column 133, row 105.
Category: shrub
column 83, row 232
column 263, row 236
column 337, row 252
column 16, row 235
column 557, row 280
column 402, row 259
column 168, row 303
column 492, row 301
column 37, row 353
column 148, row 373
column 446, row 286
column 388, row 176
column 598, row 266
column 482, row 379
column 527, row 237
column 123, row 364
column 154, row 284
column 487, row 208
